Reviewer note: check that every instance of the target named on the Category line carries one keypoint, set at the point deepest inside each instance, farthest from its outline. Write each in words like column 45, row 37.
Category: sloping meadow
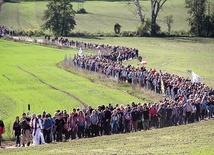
column 29, row 75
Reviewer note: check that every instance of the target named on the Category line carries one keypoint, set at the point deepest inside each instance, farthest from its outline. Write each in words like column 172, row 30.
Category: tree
column 139, row 11
column 197, row 12
column 156, row 6
column 208, row 26
column 169, row 22
column 59, row 17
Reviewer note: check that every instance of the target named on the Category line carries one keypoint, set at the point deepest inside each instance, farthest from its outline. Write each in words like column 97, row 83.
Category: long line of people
column 188, row 102
column 106, row 120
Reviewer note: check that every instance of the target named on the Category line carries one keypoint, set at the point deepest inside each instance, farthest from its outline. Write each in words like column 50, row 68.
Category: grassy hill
column 101, row 15
column 29, row 74
column 192, row 139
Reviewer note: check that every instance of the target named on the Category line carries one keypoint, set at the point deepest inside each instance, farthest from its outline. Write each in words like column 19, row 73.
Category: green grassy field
column 29, row 75
column 101, row 15
column 192, row 139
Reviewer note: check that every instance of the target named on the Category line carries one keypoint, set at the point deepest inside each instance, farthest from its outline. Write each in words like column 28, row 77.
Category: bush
column 81, row 11
column 128, row 34
column 117, row 28
column 181, row 33
column 144, row 29
column 31, row 32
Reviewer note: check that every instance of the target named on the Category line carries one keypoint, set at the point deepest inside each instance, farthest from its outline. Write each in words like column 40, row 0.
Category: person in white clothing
column 36, row 127
column 41, row 128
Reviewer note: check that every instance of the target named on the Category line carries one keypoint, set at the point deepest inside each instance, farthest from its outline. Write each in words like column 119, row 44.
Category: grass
column 192, row 139
column 29, row 75
column 102, row 14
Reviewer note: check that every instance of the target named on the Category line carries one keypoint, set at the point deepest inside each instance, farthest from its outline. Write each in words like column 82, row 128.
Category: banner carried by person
column 81, row 53
column 195, row 78
column 162, row 87
column 99, row 55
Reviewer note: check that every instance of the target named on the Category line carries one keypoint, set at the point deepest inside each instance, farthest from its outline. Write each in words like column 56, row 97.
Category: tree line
column 60, row 17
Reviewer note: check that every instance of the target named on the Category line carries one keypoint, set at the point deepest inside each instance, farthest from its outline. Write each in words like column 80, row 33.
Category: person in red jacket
column 1, row 130
column 153, row 113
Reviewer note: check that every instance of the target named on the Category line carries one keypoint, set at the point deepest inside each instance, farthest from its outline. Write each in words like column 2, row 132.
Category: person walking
column 162, row 115
column 94, row 124
column 72, row 125
column 106, row 121
column 59, row 123
column 47, row 124
column 25, row 130
column 1, row 130
column 115, row 122
column 36, row 127
column 80, row 124
column 134, row 116
column 17, row 130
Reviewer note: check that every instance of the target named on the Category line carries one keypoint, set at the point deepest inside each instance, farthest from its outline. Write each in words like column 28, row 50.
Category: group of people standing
column 35, row 126
column 3, row 31
column 188, row 102
column 107, row 120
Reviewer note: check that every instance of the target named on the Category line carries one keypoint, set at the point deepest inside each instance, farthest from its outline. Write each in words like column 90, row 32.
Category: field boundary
column 53, row 87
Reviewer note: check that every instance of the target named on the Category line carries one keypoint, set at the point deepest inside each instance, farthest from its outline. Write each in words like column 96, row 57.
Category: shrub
column 82, row 11
column 117, row 28
column 145, row 29
column 31, row 32
column 128, row 34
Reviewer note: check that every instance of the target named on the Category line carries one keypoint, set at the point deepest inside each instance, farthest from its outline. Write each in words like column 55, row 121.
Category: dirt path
column 55, row 88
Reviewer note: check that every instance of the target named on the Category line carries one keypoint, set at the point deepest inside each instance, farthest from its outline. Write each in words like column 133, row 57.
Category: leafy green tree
column 197, row 12
column 208, row 25
column 59, row 17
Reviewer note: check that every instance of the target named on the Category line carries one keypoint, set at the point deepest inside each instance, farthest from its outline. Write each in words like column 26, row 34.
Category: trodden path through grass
column 39, row 82
column 55, row 88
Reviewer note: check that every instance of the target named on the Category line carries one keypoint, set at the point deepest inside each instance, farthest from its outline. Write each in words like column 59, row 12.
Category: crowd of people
column 110, row 64
column 3, row 31
column 186, row 102
column 107, row 120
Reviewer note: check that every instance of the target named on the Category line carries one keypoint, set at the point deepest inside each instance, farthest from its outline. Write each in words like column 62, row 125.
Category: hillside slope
column 29, row 75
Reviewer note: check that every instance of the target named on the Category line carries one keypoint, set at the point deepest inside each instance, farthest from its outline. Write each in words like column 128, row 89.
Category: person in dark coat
column 106, row 121
column 17, row 130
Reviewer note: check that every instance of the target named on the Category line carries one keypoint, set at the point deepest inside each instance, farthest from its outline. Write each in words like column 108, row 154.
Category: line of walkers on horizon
column 107, row 120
